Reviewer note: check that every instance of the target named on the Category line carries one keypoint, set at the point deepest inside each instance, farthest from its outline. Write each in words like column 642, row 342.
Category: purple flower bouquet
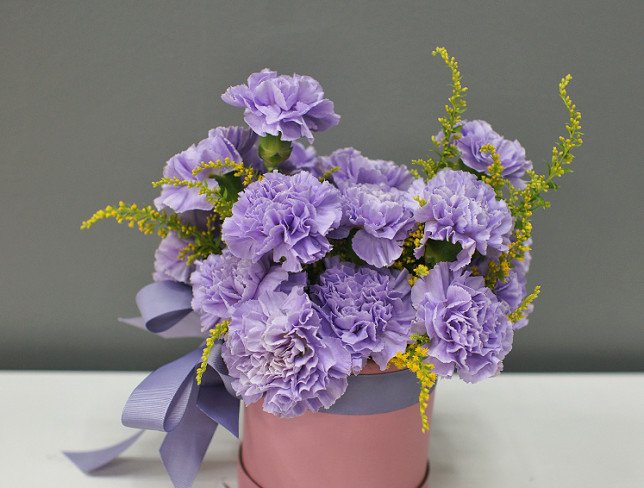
column 328, row 293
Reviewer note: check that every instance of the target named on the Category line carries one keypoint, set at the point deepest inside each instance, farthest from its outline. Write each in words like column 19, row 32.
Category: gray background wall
column 96, row 95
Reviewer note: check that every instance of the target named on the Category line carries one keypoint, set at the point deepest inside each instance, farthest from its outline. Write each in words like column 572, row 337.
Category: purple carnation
column 354, row 168
column 384, row 216
column 276, row 350
column 468, row 330
column 215, row 147
column 463, row 210
column 301, row 159
column 223, row 281
column 475, row 134
column 287, row 216
column 369, row 310
column 293, row 106
column 245, row 142
column 168, row 266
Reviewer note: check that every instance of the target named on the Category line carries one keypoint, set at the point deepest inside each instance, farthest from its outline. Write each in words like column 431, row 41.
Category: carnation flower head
column 468, row 330
column 276, row 350
column 216, row 147
column 384, row 217
column 464, row 210
column 369, row 310
column 286, row 216
column 477, row 133
column 291, row 107
column 168, row 266
column 222, row 281
column 353, row 168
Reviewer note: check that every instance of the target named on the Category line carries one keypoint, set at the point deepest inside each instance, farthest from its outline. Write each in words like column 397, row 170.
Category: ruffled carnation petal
column 463, row 210
column 477, row 133
column 222, row 282
column 277, row 350
column 286, row 216
column 168, row 266
column 468, row 329
column 369, row 310
column 293, row 106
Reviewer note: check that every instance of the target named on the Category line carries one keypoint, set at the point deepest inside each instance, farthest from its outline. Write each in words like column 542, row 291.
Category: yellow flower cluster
column 210, row 194
column 455, row 107
column 327, row 174
column 523, row 202
column 216, row 332
column 494, row 178
column 450, row 124
column 407, row 259
column 147, row 219
column 414, row 359
column 519, row 313
column 247, row 174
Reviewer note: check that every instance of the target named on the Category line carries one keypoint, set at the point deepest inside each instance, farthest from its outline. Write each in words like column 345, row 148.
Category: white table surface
column 537, row 430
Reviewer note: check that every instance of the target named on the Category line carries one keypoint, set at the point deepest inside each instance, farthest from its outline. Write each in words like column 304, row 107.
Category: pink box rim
column 247, row 482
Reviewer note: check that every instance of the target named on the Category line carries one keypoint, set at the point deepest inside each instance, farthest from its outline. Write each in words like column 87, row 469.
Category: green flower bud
column 273, row 151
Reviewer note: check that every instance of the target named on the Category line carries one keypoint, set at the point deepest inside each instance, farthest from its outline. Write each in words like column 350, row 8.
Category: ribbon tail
column 88, row 461
column 220, row 406
column 184, row 448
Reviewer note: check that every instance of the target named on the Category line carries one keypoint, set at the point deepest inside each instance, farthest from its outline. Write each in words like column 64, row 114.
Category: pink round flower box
column 323, row 450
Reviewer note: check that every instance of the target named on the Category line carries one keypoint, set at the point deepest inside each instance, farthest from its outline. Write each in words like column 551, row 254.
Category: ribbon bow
column 169, row 399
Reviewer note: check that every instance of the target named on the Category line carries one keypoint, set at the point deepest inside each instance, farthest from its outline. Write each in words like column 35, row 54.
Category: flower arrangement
column 302, row 268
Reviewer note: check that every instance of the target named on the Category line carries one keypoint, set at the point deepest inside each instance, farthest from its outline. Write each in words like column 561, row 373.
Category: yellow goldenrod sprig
column 454, row 108
column 240, row 170
column 519, row 313
column 429, row 167
column 216, row 332
column 450, row 123
column 419, row 272
column 147, row 219
column 414, row 359
column 562, row 154
column 407, row 259
column 327, row 174
column 523, row 201
column 210, row 194
column 494, row 176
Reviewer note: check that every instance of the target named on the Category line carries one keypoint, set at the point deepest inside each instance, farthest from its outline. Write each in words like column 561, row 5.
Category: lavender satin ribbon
column 169, row 399
column 364, row 394
column 166, row 310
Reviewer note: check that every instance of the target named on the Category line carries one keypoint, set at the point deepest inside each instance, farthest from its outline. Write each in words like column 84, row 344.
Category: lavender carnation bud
column 168, row 266
column 276, row 350
column 463, row 210
column 287, row 106
column 369, row 310
column 286, row 216
column 475, row 134
column 354, row 168
column 468, row 330
column 384, row 216
column 214, row 148
column 223, row 281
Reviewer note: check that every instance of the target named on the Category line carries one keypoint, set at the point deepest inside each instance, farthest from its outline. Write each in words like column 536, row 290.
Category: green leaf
column 438, row 251
column 230, row 186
